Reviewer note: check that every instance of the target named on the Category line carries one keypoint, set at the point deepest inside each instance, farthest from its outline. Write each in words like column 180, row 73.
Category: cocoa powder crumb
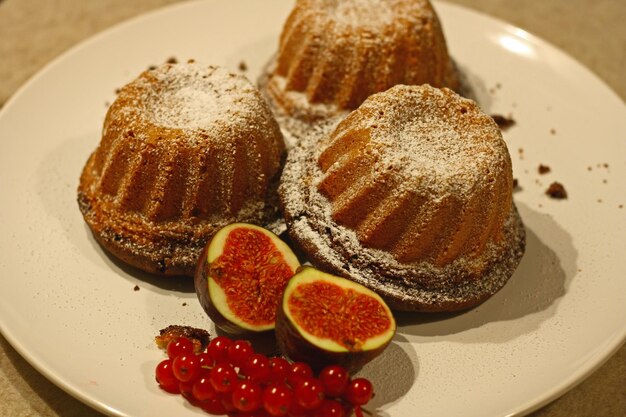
column 620, row 206
column 243, row 66
column 503, row 122
column 556, row 190
column 543, row 169
column 172, row 60
column 553, row 131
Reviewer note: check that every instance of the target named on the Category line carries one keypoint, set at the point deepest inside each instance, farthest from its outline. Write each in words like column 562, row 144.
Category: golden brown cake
column 333, row 54
column 411, row 196
column 185, row 150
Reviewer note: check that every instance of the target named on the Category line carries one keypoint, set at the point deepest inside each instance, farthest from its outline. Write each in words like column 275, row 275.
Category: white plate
column 72, row 312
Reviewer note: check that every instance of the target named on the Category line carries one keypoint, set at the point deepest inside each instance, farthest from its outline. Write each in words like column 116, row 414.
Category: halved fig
column 241, row 276
column 323, row 319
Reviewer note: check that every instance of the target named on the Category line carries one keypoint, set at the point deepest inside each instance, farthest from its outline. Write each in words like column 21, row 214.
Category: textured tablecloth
column 32, row 32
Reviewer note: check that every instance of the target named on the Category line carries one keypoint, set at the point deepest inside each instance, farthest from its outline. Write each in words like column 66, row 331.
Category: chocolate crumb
column 199, row 337
column 502, row 121
column 136, row 288
column 243, row 66
column 172, row 60
column 152, row 67
column 556, row 190
column 191, row 61
column 515, row 183
column 117, row 90
column 184, row 304
column 605, row 165
column 543, row 169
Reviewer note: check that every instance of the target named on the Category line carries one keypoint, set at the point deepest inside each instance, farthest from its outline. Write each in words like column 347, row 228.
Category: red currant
column 223, row 377
column 239, row 352
column 334, row 379
column 165, row 377
column 186, row 367
column 309, row 393
column 296, row 410
column 218, row 347
column 330, row 408
column 186, row 390
column 257, row 367
column 277, row 399
column 205, row 360
column 279, row 368
column 213, row 406
column 247, row 395
column 179, row 346
column 359, row 391
column 202, row 389
column 298, row 371
column 227, row 402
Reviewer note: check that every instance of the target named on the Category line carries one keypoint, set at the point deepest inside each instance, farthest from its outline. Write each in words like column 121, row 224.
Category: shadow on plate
column 529, row 298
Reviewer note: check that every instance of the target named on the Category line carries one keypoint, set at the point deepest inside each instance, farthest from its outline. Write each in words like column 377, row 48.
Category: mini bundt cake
column 185, row 150
column 333, row 54
column 411, row 196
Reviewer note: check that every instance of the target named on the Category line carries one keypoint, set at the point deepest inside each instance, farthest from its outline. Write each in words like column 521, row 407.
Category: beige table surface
column 32, row 32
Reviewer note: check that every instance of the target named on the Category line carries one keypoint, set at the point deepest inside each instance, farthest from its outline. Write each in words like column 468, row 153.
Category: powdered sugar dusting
column 376, row 14
column 196, row 97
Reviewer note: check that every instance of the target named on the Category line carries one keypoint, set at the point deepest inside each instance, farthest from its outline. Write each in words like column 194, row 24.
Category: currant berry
column 279, row 368
column 227, row 402
column 298, row 371
column 309, row 393
column 247, row 395
column 165, row 376
column 186, row 367
column 223, row 377
column 205, row 360
column 257, row 367
column 334, row 379
column 218, row 347
column 213, row 406
column 359, row 391
column 202, row 389
column 179, row 346
column 276, row 399
column 186, row 390
column 330, row 408
column 239, row 352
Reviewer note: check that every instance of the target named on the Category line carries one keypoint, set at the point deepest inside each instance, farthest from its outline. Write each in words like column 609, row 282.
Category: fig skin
column 294, row 345
column 201, row 283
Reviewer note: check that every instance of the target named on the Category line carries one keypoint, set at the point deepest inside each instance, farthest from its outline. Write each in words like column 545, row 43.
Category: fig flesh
column 323, row 319
column 241, row 276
